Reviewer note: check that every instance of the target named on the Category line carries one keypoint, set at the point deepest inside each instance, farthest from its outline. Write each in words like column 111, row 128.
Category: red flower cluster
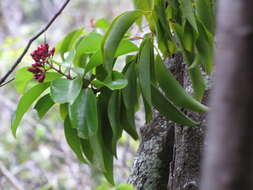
column 40, row 56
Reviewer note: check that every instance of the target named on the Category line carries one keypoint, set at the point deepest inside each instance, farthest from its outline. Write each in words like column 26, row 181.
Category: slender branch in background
column 1, row 85
column 11, row 178
column 3, row 79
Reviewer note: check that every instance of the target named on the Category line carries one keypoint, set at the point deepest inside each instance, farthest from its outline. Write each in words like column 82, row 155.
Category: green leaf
column 124, row 187
column 69, row 41
column 23, row 77
column 103, row 24
column 198, row 83
column 63, row 111
column 205, row 14
column 188, row 38
column 205, row 49
column 167, row 109
column 145, row 75
column 188, row 12
column 114, row 118
column 43, row 105
column 87, row 149
column 114, row 35
column 89, row 44
column 65, row 91
column 118, row 82
column 73, row 140
column 83, row 114
column 130, row 100
column 50, row 76
column 128, row 122
column 24, row 104
column 125, row 47
column 95, row 60
column 174, row 91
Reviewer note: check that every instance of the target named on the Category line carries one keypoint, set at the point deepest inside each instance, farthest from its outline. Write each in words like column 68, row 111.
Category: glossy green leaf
column 198, row 83
column 128, row 122
column 114, row 118
column 23, row 77
column 95, row 60
column 167, row 109
column 65, row 91
column 83, row 114
column 24, row 104
column 118, row 82
column 205, row 13
column 125, row 46
column 130, row 100
column 188, row 12
column 174, row 91
column 73, row 140
column 63, row 111
column 87, row 149
column 115, row 34
column 188, row 39
column 102, row 23
column 124, row 187
column 69, row 41
column 105, row 134
column 205, row 49
column 89, row 44
column 43, row 105
column 145, row 75
column 50, row 76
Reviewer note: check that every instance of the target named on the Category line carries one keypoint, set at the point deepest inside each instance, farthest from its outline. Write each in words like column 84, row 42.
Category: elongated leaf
column 83, row 114
column 130, row 100
column 25, row 102
column 188, row 12
column 73, row 140
column 114, row 118
column 23, row 77
column 69, row 41
column 125, row 46
column 205, row 49
column 198, row 83
column 87, row 149
column 114, row 35
column 65, row 91
column 145, row 75
column 174, row 91
column 205, row 14
column 89, row 44
column 166, row 108
column 50, row 76
column 63, row 111
column 118, row 82
column 43, row 105
column 103, row 24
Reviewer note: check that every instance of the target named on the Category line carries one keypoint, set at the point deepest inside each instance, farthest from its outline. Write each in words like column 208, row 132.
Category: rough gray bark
column 188, row 147
column 150, row 170
column 228, row 161
column 179, row 166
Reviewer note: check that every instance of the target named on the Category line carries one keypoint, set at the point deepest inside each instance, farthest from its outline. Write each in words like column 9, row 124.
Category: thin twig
column 7, row 82
column 3, row 79
column 11, row 178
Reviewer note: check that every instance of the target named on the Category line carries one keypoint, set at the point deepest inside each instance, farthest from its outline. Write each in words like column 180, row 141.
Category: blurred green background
column 40, row 158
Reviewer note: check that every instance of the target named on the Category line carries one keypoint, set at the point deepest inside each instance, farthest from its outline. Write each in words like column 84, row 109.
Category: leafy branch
column 43, row 30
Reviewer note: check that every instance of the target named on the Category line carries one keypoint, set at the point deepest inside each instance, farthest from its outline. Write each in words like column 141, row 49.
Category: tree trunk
column 169, row 154
column 228, row 163
column 150, row 170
